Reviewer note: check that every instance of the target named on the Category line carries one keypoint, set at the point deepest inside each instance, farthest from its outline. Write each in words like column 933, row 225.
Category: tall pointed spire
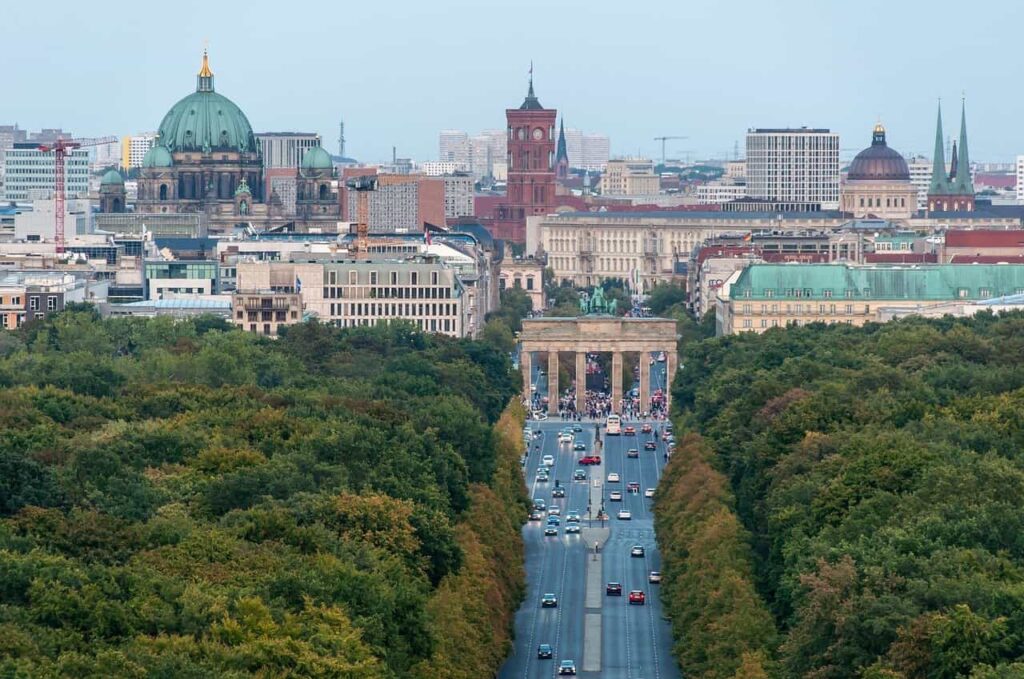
column 952, row 168
column 204, row 79
column 531, row 102
column 562, row 153
column 939, row 183
column 962, row 178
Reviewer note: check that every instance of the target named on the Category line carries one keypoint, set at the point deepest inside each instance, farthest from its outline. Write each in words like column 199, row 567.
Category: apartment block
column 794, row 168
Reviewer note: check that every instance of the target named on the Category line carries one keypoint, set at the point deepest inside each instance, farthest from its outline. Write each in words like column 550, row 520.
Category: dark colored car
column 647, row 429
column 535, row 515
column 579, row 445
column 577, row 427
column 650, row 445
column 613, row 589
column 549, row 600
column 579, row 475
column 629, row 431
column 567, row 667
column 545, row 652
column 558, row 492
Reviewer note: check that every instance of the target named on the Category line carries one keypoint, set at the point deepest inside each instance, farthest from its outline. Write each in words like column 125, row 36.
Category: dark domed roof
column 878, row 162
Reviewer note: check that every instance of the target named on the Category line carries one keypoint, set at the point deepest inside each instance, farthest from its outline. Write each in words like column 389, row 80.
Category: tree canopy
column 861, row 485
column 179, row 499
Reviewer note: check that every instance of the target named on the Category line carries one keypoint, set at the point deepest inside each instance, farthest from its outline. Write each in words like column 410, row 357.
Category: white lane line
column 654, row 629
column 625, row 572
column 565, row 562
column 536, row 604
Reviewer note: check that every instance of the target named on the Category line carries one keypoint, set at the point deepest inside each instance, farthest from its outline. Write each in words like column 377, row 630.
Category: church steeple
column 939, row 184
column 204, row 80
column 962, row 176
column 562, row 153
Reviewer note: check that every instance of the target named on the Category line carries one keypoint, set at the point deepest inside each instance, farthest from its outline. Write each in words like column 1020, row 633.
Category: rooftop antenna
column 341, row 138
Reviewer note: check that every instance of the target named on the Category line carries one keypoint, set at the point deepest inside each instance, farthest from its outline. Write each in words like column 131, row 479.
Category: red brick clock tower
column 531, row 167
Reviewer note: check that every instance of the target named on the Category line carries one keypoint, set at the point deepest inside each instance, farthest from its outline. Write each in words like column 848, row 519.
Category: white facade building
column 453, row 147
column 285, row 149
column 921, row 178
column 587, row 151
column 797, row 168
column 134, row 148
column 458, row 195
column 714, row 193
column 27, row 168
column 630, row 177
column 437, row 168
column 1020, row 178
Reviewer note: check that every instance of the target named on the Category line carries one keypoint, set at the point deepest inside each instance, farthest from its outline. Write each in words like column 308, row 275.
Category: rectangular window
column 414, row 278
column 394, row 278
column 826, row 294
column 352, row 277
column 332, row 277
column 746, row 309
column 768, row 292
column 433, row 278
column 33, row 303
column 373, row 278
column 962, row 293
column 849, row 308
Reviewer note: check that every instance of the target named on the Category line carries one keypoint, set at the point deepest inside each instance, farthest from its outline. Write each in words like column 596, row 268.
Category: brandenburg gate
column 597, row 334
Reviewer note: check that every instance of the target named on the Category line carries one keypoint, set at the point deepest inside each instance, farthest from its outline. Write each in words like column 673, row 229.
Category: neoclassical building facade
column 878, row 183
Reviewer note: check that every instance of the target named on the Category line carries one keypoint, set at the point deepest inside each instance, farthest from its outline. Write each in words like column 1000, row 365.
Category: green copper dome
column 157, row 156
column 317, row 159
column 205, row 121
column 112, row 177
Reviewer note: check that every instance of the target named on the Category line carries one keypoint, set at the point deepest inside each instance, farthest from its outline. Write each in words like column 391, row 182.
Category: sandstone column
column 616, row 381
column 552, row 382
column 581, row 381
column 526, row 365
column 671, row 359
column 645, row 381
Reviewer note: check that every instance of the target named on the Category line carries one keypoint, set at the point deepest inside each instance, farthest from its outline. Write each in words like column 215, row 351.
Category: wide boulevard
column 604, row 635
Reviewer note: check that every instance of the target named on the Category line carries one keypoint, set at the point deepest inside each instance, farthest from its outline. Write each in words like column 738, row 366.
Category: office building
column 453, row 147
column 400, row 204
column 135, row 147
column 765, row 296
column 363, row 292
column 715, row 193
column 630, row 177
column 167, row 279
column 458, row 196
column 27, row 168
column 587, row 151
column 793, row 169
column 921, row 178
column 438, row 168
column 264, row 311
column 285, row 149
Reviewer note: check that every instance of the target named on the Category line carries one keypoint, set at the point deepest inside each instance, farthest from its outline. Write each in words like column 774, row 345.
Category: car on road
column 539, row 504
column 636, row 550
column 615, row 496
column 567, row 667
column 558, row 491
column 572, row 528
column 625, row 515
column 549, row 600
column 545, row 652
column 636, row 596
column 550, row 530
column 548, row 461
column 579, row 475
column 590, row 459
column 650, row 445
column 565, row 437
column 649, row 492
column 647, row 428
column 553, row 521
column 654, row 578
column 577, row 427
column 579, row 445
column 632, row 452
column 535, row 515
column 554, row 510
column 542, row 477
column 572, row 517
column 613, row 477
column 668, row 426
column 629, row 431
column 613, row 589
column 633, row 487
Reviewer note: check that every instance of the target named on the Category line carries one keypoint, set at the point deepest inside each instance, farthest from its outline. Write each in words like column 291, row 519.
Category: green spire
column 962, row 182
column 939, row 183
column 562, row 152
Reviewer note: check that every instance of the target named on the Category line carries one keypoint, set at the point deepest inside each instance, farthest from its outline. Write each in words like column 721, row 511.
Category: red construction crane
column 60, row 150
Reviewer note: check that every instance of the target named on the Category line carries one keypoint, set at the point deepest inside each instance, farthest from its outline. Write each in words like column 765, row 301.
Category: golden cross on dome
column 205, row 71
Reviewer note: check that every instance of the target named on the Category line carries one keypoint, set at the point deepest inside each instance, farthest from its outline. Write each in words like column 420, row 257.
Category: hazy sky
column 399, row 71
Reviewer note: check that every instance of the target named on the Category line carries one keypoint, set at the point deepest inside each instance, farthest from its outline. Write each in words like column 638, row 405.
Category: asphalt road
column 633, row 642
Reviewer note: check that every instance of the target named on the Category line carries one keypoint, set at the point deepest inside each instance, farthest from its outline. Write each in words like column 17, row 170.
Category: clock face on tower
column 538, row 134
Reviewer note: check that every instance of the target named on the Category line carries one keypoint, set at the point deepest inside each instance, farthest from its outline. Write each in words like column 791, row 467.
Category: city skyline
column 775, row 64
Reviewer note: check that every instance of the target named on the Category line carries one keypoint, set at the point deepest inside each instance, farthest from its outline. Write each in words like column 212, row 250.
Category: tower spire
column 531, row 101
column 939, row 184
column 204, row 80
column 964, row 185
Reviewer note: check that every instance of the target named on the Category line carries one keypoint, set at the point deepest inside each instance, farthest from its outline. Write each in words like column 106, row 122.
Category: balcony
column 261, row 305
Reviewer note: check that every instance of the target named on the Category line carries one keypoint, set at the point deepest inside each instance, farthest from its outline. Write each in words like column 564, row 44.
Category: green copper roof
column 316, row 158
column 206, row 121
column 836, row 282
column 243, row 188
column 157, row 156
column 962, row 183
column 939, row 183
column 562, row 152
column 112, row 177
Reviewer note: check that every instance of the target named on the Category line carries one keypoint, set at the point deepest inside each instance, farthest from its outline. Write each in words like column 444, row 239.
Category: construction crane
column 363, row 186
column 60, row 150
column 663, row 140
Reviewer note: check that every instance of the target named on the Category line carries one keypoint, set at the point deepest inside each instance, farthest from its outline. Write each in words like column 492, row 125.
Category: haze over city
column 399, row 72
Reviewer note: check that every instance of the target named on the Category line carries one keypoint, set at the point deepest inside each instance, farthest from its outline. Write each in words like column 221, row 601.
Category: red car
column 629, row 431
column 636, row 596
column 647, row 428
column 590, row 459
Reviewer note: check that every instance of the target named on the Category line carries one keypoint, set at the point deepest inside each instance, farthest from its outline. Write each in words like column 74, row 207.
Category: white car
column 649, row 492
column 615, row 496
column 624, row 515
column 654, row 578
column 554, row 511
column 613, row 478
column 548, row 461
column 565, row 438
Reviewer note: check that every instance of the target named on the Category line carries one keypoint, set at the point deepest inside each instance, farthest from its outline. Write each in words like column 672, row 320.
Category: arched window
column 323, row 192
column 163, row 192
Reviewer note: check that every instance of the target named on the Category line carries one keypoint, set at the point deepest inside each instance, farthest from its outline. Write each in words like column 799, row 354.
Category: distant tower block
column 341, row 138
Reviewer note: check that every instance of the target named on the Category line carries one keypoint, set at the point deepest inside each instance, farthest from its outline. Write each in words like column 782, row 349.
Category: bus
column 613, row 427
